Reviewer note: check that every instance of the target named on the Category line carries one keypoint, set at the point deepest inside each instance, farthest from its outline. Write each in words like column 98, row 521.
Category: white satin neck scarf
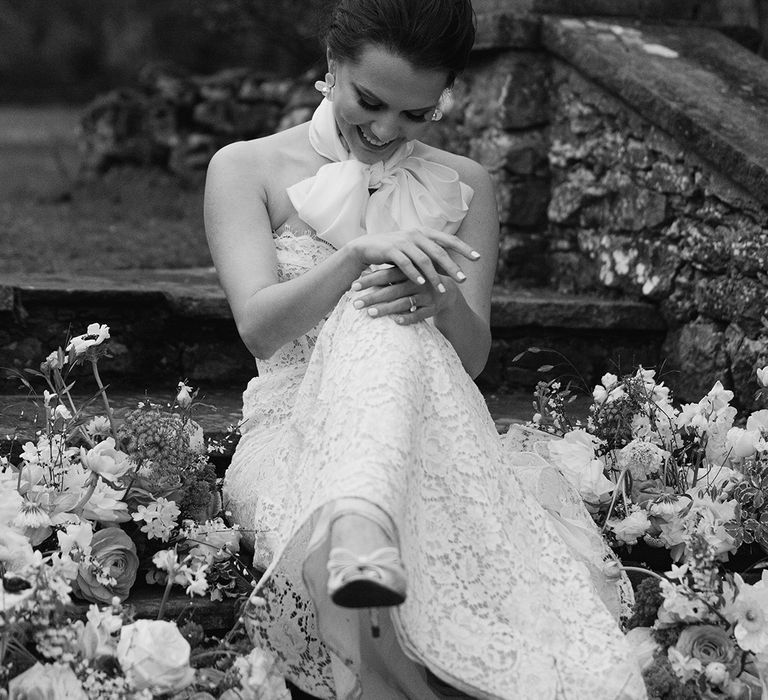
column 411, row 192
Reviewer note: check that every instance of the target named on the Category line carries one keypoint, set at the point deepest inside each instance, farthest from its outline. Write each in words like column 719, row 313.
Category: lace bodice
column 298, row 250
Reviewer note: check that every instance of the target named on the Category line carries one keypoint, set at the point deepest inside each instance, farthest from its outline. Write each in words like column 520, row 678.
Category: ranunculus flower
column 710, row 644
column 155, row 656
column 113, row 571
column 106, row 460
column 628, row 530
column 47, row 682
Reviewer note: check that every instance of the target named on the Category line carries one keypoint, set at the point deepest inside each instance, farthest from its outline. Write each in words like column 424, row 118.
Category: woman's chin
column 368, row 153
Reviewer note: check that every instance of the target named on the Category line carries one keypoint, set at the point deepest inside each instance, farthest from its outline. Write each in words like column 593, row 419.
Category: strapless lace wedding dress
column 508, row 595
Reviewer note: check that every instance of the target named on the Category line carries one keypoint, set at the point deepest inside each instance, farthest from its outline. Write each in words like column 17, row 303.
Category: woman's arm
column 267, row 314
column 237, row 223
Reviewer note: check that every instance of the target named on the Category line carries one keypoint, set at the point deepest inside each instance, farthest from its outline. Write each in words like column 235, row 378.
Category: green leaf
column 545, row 368
column 517, row 357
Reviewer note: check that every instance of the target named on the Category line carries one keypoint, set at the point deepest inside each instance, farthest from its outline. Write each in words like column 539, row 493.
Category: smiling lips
column 372, row 142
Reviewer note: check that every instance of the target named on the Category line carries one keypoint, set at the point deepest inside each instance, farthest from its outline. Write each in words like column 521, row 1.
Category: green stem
column 103, row 393
column 93, row 479
column 166, row 593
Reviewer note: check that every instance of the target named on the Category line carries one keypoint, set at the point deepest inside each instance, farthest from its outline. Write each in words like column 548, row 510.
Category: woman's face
column 381, row 100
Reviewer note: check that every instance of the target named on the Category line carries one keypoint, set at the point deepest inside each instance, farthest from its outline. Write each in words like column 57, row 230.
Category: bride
column 409, row 552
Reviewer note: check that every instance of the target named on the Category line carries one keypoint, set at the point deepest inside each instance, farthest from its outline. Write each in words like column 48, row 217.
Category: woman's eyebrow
column 364, row 92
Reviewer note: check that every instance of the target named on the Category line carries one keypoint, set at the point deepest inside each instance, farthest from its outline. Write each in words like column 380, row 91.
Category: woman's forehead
column 390, row 77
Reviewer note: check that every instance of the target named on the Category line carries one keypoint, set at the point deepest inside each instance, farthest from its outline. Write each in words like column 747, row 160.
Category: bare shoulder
column 470, row 171
column 254, row 160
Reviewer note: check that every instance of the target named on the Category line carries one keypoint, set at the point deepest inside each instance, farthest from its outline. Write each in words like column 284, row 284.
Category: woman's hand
column 391, row 293
column 421, row 255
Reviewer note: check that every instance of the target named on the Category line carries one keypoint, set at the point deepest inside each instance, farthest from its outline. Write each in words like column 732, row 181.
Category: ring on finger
column 412, row 302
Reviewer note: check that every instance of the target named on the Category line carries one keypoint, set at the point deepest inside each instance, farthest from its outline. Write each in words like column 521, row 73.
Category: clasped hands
column 418, row 280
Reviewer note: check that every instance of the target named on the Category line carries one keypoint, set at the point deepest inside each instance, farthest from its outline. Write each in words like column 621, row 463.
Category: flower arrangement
column 700, row 634
column 89, row 507
column 654, row 472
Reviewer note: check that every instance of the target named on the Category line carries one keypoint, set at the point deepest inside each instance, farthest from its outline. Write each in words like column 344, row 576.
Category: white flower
column 677, row 572
column 685, row 667
column 184, row 396
column 631, row 528
column 609, row 380
column 740, row 443
column 154, row 656
column 599, row 394
column 98, row 638
column 95, row 334
column 97, row 427
column 197, row 584
column 762, row 376
column 160, row 518
column 678, row 606
column 750, row 612
column 691, row 416
column 62, row 412
column 77, row 535
column 575, row 456
column 106, row 460
column 641, row 458
column 16, row 551
column 716, row 673
column 166, row 560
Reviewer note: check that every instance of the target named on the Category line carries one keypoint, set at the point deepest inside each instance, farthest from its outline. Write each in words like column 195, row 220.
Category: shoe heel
column 374, row 619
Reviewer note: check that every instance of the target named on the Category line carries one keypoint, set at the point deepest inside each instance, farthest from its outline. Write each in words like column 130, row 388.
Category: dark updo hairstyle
column 429, row 34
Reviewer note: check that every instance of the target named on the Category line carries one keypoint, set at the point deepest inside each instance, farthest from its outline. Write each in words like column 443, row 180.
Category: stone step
column 705, row 90
column 173, row 324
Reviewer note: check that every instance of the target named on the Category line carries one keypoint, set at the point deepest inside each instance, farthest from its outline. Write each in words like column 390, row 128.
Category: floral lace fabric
column 501, row 602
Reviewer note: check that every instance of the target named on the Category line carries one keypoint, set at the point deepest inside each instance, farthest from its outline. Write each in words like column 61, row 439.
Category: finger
column 378, row 278
column 442, row 260
column 420, row 314
column 400, row 305
column 421, row 260
column 451, row 242
column 390, row 292
column 409, row 269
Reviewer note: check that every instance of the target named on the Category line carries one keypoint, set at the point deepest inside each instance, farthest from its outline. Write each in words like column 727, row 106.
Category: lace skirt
column 506, row 598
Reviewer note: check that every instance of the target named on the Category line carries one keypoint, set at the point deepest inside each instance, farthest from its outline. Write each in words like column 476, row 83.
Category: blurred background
column 67, row 52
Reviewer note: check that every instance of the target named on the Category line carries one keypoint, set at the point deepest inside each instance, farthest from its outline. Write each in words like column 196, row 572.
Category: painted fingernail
column 373, row 312
column 474, row 254
column 460, row 276
column 441, row 288
column 420, row 280
column 358, row 303
column 356, row 286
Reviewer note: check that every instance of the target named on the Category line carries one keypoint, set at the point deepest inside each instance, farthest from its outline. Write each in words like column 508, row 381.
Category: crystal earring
column 326, row 86
column 443, row 105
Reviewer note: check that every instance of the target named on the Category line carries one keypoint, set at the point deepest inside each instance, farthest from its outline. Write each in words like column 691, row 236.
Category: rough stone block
column 525, row 203
column 696, row 358
column 728, row 298
column 745, row 356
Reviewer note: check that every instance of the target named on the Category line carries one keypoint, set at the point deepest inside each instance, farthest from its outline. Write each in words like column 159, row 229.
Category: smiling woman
column 358, row 262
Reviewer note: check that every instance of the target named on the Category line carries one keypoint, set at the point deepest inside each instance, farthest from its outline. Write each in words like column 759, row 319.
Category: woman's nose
column 385, row 128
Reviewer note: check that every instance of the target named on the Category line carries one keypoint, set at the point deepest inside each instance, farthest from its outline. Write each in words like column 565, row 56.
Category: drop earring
column 326, row 86
column 443, row 105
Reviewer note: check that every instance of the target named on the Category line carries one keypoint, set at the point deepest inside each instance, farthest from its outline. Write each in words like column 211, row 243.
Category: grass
column 53, row 221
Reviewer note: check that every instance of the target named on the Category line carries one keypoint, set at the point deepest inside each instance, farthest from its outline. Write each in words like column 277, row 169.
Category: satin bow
column 411, row 192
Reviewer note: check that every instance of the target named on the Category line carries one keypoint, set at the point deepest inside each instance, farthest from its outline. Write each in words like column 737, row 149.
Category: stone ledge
column 517, row 23
column 703, row 89
column 195, row 294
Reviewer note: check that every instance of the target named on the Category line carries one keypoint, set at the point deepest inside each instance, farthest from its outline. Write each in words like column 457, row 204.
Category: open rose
column 155, row 656
column 710, row 644
column 111, row 571
column 106, row 460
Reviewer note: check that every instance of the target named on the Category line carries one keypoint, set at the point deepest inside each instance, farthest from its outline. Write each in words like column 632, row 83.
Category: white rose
column 106, row 460
column 50, row 681
column 599, row 394
column 609, row 380
column 154, row 655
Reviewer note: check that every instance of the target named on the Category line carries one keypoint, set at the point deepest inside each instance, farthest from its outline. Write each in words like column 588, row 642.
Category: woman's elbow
column 259, row 344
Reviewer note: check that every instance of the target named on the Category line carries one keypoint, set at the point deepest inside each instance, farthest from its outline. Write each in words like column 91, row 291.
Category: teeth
column 372, row 141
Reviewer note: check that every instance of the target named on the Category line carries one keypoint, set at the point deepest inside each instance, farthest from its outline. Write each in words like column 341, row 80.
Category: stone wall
column 636, row 214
